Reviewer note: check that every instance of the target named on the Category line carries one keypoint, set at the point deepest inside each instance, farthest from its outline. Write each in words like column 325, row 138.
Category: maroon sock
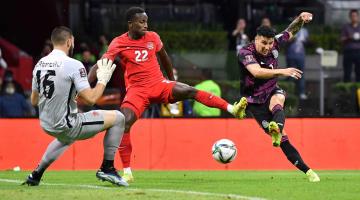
column 211, row 100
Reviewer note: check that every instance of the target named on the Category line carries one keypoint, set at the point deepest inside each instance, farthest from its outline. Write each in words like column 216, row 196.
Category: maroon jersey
column 254, row 89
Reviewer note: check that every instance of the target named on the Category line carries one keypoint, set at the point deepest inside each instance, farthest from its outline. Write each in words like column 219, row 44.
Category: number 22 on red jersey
column 141, row 56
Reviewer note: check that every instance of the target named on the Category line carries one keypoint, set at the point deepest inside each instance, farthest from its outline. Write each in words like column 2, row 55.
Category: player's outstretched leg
column 107, row 171
column 183, row 91
column 294, row 157
column 210, row 100
column 53, row 151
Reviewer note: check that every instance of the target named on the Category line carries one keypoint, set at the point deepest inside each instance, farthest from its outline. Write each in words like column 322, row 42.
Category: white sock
column 230, row 108
column 127, row 170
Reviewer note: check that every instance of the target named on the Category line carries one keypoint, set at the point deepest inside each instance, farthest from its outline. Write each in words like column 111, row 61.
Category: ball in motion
column 224, row 151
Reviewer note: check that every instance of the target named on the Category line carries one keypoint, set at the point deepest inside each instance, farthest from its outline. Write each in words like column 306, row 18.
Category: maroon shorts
column 138, row 98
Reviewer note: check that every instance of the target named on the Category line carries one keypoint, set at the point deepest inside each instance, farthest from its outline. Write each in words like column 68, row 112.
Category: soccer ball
column 224, row 151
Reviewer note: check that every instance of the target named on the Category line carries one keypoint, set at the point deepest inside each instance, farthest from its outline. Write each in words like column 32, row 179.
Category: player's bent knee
column 120, row 118
column 280, row 98
column 189, row 91
column 110, row 118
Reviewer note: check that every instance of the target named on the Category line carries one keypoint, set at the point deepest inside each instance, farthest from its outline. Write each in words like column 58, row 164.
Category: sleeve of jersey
column 80, row 79
column 282, row 38
column 158, row 42
column 113, row 50
column 246, row 57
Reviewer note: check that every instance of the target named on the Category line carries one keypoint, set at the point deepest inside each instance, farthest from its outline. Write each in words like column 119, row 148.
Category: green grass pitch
column 189, row 185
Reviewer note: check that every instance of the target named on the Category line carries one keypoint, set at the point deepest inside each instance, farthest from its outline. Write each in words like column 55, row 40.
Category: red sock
column 211, row 100
column 125, row 150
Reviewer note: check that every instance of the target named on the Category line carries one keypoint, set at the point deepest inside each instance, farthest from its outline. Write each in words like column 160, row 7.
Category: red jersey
column 138, row 58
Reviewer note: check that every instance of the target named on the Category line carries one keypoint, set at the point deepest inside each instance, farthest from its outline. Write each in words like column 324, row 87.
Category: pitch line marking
column 234, row 196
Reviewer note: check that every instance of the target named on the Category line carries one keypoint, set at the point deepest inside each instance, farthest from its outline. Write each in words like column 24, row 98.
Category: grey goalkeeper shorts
column 83, row 126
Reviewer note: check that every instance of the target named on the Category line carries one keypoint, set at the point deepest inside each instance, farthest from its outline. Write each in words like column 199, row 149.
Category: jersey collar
column 57, row 51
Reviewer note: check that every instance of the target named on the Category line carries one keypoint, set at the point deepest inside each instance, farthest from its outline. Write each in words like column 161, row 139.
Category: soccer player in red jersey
column 138, row 50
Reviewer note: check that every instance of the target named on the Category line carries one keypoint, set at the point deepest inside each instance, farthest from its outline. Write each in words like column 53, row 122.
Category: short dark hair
column 60, row 34
column 265, row 31
column 132, row 11
column 353, row 11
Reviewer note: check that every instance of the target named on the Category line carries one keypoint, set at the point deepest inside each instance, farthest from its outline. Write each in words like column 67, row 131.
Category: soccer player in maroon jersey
column 259, row 69
column 138, row 50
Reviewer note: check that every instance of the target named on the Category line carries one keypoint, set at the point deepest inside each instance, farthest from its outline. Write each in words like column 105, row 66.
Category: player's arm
column 90, row 95
column 34, row 98
column 295, row 26
column 92, row 73
column 105, row 69
column 263, row 73
column 166, row 63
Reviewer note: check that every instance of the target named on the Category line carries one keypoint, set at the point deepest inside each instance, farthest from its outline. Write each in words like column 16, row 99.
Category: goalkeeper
column 57, row 79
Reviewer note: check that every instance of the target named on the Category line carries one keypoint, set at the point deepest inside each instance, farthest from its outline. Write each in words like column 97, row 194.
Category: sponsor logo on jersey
column 275, row 53
column 150, row 45
column 249, row 58
column 82, row 72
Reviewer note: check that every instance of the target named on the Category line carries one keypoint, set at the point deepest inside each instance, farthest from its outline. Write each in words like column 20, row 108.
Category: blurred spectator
column 3, row 63
column 104, row 44
column 13, row 104
column 210, row 86
column 9, row 78
column 241, row 38
column 46, row 50
column 79, row 55
column 295, row 57
column 87, row 60
column 350, row 36
column 265, row 21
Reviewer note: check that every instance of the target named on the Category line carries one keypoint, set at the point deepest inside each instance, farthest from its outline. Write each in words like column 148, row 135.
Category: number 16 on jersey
column 47, row 85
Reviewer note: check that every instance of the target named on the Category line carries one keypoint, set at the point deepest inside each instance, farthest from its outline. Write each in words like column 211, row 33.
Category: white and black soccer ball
column 224, row 151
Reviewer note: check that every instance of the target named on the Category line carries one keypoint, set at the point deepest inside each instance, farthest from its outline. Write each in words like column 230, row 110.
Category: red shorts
column 138, row 98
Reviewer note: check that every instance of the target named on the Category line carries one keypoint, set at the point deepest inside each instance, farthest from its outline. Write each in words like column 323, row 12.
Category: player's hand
column 306, row 17
column 105, row 70
column 292, row 72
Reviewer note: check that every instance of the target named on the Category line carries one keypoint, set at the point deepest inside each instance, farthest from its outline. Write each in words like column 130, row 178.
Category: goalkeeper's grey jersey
column 57, row 78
